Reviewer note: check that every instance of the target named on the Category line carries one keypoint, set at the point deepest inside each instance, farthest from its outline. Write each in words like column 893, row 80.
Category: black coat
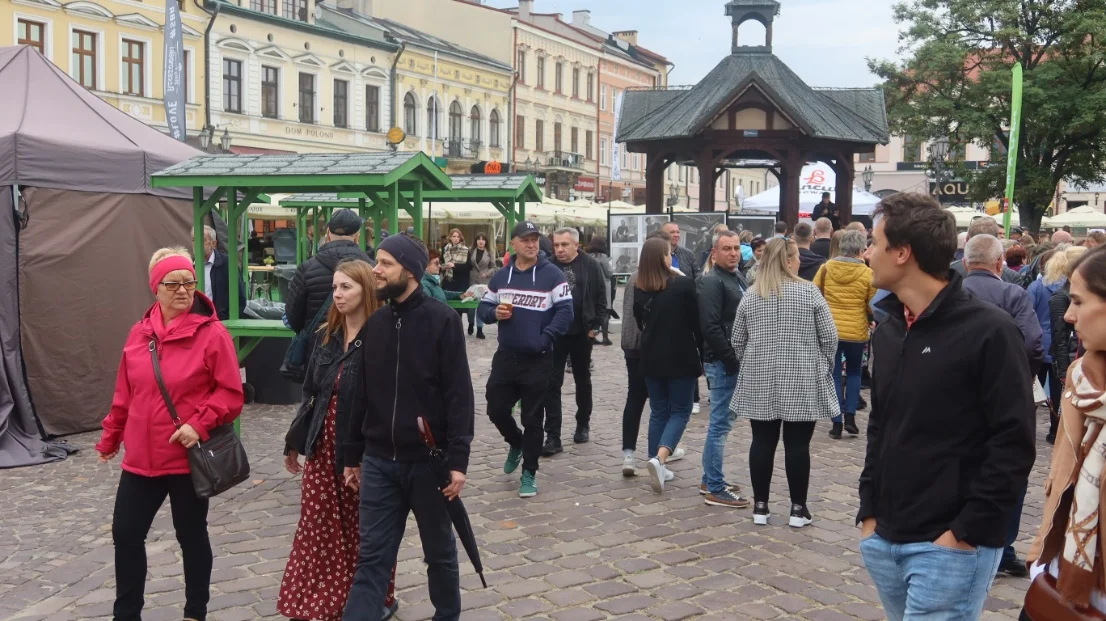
column 314, row 280
column 220, row 288
column 592, row 292
column 327, row 361
column 720, row 294
column 688, row 265
column 827, row 211
column 952, row 427
column 809, row 262
column 670, row 334
column 1065, row 344
column 419, row 368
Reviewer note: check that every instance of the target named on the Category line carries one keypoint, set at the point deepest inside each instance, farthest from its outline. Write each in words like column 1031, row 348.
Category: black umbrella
column 455, row 507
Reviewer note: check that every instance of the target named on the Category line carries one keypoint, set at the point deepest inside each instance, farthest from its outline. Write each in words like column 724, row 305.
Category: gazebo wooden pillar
column 845, row 171
column 655, row 166
column 705, row 164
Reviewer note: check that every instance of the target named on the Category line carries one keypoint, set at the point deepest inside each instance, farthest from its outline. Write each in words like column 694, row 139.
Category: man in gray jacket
column 720, row 292
column 989, row 226
column 983, row 257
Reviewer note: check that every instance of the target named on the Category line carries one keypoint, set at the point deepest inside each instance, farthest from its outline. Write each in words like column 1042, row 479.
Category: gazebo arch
column 752, row 103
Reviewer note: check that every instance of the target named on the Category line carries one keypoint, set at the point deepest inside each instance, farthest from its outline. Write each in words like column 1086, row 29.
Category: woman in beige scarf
column 1067, row 555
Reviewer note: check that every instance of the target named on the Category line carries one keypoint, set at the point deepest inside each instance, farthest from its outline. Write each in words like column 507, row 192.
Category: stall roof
column 304, row 172
column 465, row 188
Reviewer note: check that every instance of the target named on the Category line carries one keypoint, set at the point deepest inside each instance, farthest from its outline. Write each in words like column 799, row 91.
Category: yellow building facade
column 114, row 48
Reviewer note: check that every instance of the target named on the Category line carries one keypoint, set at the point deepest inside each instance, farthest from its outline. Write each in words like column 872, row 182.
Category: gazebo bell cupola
column 763, row 11
column 752, row 108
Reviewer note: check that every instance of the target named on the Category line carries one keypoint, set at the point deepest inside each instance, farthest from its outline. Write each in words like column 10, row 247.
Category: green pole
column 300, row 237
column 1015, row 136
column 198, row 256
column 233, row 256
column 417, row 206
column 393, row 209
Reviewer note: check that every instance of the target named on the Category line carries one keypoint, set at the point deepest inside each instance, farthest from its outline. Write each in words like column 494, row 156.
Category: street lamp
column 867, row 175
column 205, row 136
column 938, row 151
column 673, row 195
column 207, row 140
column 224, row 142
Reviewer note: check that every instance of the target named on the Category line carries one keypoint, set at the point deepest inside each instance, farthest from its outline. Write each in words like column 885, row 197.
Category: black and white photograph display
column 761, row 226
column 695, row 229
column 627, row 234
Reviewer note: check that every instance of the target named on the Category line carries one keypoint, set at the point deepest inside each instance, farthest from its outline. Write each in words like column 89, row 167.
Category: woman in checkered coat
column 785, row 340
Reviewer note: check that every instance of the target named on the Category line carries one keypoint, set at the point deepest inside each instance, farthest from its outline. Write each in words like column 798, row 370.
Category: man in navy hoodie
column 532, row 304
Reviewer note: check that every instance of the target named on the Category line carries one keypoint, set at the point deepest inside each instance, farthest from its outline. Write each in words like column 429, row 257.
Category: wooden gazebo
column 749, row 109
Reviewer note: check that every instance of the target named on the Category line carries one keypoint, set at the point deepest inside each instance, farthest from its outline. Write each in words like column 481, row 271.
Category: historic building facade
column 113, row 48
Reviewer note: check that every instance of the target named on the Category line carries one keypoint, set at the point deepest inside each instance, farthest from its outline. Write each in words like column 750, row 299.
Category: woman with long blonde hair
column 785, row 380
column 324, row 553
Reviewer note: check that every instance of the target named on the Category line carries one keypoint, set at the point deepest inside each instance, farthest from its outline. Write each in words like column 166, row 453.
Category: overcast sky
column 824, row 41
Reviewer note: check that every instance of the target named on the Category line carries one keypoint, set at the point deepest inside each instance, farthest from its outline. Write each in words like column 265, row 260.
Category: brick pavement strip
column 591, row 545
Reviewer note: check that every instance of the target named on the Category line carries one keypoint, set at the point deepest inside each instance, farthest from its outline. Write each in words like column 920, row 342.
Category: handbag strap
column 161, row 384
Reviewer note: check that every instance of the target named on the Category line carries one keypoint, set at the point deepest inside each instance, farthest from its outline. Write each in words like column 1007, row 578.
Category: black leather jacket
column 720, row 294
column 318, row 387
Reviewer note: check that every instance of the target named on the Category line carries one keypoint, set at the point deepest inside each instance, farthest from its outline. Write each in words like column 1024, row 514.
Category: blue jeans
column 721, row 422
column 852, row 354
column 925, row 581
column 670, row 400
column 390, row 490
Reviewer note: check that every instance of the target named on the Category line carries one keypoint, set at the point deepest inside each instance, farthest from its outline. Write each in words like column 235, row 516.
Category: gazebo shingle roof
column 850, row 115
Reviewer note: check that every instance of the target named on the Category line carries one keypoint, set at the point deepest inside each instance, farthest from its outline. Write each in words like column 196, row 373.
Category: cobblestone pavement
column 591, row 545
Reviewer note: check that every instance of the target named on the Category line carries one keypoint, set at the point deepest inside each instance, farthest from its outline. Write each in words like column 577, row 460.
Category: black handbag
column 294, row 367
column 218, row 464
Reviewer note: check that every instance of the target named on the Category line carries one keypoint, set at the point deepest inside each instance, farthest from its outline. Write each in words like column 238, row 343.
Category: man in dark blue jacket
column 217, row 278
column 532, row 304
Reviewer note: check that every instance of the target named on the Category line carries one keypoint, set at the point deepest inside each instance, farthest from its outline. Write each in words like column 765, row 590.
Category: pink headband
column 167, row 266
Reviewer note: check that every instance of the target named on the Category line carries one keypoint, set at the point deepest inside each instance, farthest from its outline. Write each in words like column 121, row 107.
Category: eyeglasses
column 189, row 285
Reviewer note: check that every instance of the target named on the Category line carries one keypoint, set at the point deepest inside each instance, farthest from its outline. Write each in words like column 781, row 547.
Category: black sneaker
column 850, row 424
column 1051, row 438
column 760, row 513
column 470, row 329
column 861, row 404
column 1013, row 567
column 800, row 517
column 480, row 333
column 835, row 431
column 551, row 447
column 582, row 434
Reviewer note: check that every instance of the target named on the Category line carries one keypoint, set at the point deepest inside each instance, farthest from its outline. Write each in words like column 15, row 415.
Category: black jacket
column 809, row 262
column 821, row 247
column 592, row 292
column 1008, row 275
column 1065, row 344
column 688, row 265
column 314, row 279
column 318, row 387
column 720, row 294
column 418, row 368
column 1017, row 303
column 827, row 211
column 220, row 288
column 670, row 335
column 951, row 430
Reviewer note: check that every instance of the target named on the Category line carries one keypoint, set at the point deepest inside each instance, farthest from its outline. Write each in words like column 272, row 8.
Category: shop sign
column 585, row 184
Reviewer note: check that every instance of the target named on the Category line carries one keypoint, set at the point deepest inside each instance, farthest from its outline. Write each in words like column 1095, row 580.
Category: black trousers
column 637, row 395
column 390, row 491
column 520, row 377
column 762, row 455
column 1048, row 378
column 136, row 504
column 576, row 347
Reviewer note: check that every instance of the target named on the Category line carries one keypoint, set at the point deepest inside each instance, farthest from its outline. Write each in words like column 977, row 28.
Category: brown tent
column 75, row 172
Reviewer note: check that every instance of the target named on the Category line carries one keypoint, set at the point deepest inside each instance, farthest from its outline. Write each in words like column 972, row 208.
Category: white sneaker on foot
column 669, row 475
column 629, row 466
column 658, row 474
column 695, row 408
column 676, row 455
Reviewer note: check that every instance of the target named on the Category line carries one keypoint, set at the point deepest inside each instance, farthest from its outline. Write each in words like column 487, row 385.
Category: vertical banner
column 174, row 72
column 616, row 148
column 1012, row 152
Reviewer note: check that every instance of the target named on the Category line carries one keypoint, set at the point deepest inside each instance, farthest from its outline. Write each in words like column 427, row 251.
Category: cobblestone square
column 592, row 545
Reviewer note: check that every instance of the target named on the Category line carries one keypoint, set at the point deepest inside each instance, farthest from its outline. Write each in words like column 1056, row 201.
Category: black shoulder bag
column 219, row 463
column 296, row 358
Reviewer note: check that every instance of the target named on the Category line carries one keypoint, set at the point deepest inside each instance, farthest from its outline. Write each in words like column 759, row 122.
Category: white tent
column 1080, row 217
column 816, row 178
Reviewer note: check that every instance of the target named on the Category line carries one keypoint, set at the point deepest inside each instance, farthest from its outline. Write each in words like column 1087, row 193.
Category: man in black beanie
column 416, row 368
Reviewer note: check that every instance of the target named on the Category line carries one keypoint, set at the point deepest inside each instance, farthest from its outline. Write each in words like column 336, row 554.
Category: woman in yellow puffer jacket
column 846, row 283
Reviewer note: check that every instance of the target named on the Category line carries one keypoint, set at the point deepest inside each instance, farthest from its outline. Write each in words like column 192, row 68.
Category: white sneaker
column 629, row 466
column 695, row 408
column 658, row 474
column 676, row 455
column 669, row 475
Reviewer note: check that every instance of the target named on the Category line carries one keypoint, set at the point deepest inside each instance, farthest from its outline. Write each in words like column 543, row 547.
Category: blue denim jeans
column 852, row 354
column 670, row 400
column 721, row 422
column 390, row 490
column 926, row 581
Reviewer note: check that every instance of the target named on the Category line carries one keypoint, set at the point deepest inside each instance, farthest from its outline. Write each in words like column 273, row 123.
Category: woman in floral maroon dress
column 324, row 553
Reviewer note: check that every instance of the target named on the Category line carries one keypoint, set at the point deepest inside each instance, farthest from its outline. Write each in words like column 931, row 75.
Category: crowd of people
column 956, row 334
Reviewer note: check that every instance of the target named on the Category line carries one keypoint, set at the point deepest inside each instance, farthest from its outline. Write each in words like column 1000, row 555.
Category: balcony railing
column 461, row 149
column 566, row 159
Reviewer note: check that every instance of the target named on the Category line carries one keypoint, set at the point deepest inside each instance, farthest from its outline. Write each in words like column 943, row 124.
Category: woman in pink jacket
column 200, row 369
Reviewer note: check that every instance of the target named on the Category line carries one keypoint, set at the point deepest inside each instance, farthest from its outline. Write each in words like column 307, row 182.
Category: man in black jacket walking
column 947, row 393
column 589, row 301
column 217, row 278
column 720, row 291
column 311, row 285
column 416, row 368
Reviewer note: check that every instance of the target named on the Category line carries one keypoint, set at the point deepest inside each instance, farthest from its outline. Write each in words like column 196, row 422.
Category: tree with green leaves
column 955, row 81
